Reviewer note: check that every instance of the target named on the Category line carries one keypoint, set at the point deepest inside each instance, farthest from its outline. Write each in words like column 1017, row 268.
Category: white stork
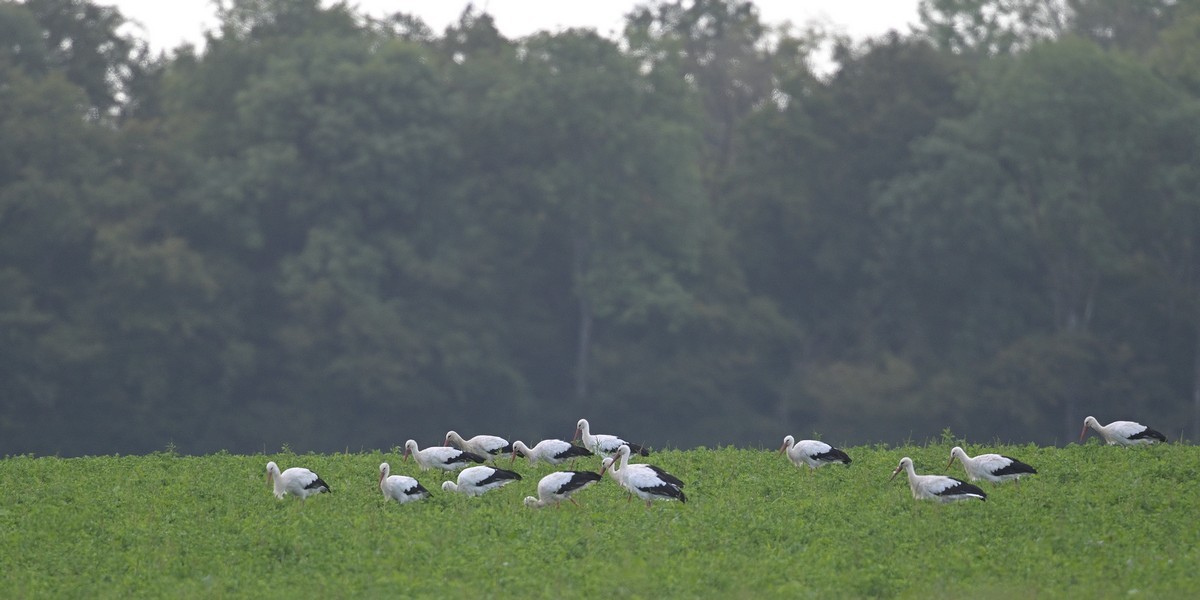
column 559, row 486
column 647, row 482
column 488, row 446
column 1122, row 433
column 475, row 481
column 401, row 488
column 601, row 443
column 296, row 481
column 552, row 451
column 812, row 453
column 937, row 487
column 995, row 468
column 441, row 457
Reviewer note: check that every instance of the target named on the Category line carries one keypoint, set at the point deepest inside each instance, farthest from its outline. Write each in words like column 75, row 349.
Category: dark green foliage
column 335, row 231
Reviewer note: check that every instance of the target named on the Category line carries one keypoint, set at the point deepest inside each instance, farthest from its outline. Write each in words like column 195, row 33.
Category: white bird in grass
column 440, row 457
column 401, row 488
column 552, row 451
column 559, row 486
column 601, row 443
column 1122, row 433
column 483, row 445
column 296, row 481
column 647, row 482
column 812, row 453
column 937, row 487
column 995, row 468
column 475, row 481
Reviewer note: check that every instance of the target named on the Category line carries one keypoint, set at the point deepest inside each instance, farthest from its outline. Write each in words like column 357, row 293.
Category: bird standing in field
column 296, row 481
column 488, row 446
column 601, row 443
column 440, row 457
column 647, row 482
column 475, row 481
column 401, row 488
column 937, row 487
column 559, row 486
column 1122, row 433
column 552, row 451
column 995, row 468
column 812, row 453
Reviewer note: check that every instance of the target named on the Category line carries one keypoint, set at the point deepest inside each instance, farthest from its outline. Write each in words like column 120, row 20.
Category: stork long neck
column 624, row 457
column 273, row 471
column 421, row 460
column 525, row 451
column 913, row 478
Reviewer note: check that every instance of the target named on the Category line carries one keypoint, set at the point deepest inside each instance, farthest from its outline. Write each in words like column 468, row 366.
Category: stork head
column 532, row 502
column 955, row 452
column 384, row 470
column 580, row 427
column 410, row 447
column 605, row 465
column 904, row 462
column 272, row 472
column 1088, row 422
column 449, row 486
column 788, row 442
column 452, row 436
column 518, row 447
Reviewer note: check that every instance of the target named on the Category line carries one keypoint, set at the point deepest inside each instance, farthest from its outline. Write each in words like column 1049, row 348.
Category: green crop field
column 1097, row 521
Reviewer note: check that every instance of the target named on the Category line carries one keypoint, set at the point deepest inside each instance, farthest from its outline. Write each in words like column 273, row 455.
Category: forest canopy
column 334, row 231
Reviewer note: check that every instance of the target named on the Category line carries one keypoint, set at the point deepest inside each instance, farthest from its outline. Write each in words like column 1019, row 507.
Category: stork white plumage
column 440, row 457
column 475, row 481
column 995, row 468
column 401, row 488
column 488, row 446
column 296, row 481
column 937, row 487
column 559, row 486
column 647, row 482
column 601, row 443
column 812, row 453
column 1122, row 433
column 552, row 451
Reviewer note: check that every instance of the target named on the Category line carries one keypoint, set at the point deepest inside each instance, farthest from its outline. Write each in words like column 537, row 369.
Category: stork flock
column 649, row 482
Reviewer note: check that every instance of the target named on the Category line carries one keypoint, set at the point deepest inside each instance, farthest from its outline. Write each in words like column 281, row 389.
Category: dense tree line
column 333, row 231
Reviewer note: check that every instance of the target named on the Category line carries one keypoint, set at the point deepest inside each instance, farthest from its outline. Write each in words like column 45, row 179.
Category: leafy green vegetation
column 1096, row 521
column 987, row 222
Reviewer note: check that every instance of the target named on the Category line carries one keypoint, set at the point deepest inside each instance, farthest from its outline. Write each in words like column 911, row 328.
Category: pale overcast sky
column 170, row 23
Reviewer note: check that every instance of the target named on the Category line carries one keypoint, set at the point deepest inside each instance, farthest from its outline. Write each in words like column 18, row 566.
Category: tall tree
column 1041, row 173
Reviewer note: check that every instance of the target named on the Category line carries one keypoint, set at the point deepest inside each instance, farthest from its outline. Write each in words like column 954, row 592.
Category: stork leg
column 574, row 502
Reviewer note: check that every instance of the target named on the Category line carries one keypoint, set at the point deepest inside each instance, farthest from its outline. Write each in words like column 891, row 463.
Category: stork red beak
column 576, row 435
column 783, row 447
column 950, row 463
column 514, row 457
column 894, row 473
column 381, row 477
column 1082, row 433
column 406, row 453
